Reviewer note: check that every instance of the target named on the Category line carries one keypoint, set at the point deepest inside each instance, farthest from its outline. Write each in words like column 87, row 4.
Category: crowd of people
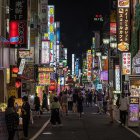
column 72, row 100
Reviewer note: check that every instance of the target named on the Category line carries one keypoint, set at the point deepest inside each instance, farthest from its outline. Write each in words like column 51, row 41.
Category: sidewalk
column 135, row 129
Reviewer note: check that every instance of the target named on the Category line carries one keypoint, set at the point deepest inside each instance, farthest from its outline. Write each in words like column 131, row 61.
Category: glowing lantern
column 15, row 70
column 18, row 84
column 52, row 86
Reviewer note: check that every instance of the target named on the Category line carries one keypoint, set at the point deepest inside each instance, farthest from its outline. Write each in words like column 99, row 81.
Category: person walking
column 65, row 103
column 123, row 107
column 100, row 100
column 70, row 101
column 89, row 98
column 45, row 101
column 75, row 96
column 11, row 119
column 37, row 104
column 55, row 115
column 25, row 110
column 80, row 104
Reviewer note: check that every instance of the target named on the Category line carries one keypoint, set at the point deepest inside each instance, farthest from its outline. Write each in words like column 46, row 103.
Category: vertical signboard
column 126, row 63
column 21, row 66
column 65, row 53
column 51, row 53
column 45, row 52
column 51, row 23
column 43, row 15
column 58, row 32
column 73, row 65
column 77, row 67
column 89, row 64
column 117, row 78
column 123, row 18
column 18, row 23
column 93, row 51
column 57, row 53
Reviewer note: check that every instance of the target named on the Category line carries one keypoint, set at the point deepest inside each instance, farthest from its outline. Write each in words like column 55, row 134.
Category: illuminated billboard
column 51, row 23
column 89, row 64
column 65, row 51
column 117, row 78
column 45, row 52
column 44, row 78
column 126, row 63
column 18, row 23
column 43, row 15
column 77, row 67
column 123, row 25
column 73, row 65
column 21, row 66
column 57, row 53
column 51, row 54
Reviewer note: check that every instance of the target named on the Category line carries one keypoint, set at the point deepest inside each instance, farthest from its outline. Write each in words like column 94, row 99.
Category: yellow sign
column 44, row 69
column 12, row 91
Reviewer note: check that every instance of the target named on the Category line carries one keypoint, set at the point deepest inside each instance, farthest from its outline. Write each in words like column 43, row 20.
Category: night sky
column 76, row 22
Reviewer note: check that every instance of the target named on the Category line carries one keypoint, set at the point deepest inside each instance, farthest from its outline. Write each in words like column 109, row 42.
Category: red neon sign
column 14, row 35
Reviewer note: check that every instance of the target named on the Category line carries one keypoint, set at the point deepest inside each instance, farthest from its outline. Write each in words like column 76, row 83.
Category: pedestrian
column 11, row 119
column 123, row 107
column 105, row 96
column 80, row 104
column 25, row 110
column 37, row 104
column 45, row 101
column 70, row 101
column 89, row 98
column 65, row 103
column 110, row 108
column 55, row 115
column 75, row 101
column 100, row 100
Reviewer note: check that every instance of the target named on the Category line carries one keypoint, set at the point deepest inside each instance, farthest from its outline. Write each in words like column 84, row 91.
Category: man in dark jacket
column 11, row 119
column 25, row 116
column 37, row 104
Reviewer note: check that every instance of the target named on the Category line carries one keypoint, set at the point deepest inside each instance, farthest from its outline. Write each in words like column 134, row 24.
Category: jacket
column 11, row 119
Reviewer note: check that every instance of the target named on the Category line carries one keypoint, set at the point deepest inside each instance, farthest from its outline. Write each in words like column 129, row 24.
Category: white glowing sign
column 73, row 64
column 117, row 78
column 126, row 63
column 57, row 53
column 21, row 66
column 65, row 53
column 45, row 52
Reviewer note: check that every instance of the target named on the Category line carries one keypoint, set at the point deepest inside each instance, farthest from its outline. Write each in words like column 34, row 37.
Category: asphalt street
column 92, row 126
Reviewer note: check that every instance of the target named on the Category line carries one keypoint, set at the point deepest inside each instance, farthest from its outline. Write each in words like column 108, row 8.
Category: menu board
column 123, row 18
column 126, row 63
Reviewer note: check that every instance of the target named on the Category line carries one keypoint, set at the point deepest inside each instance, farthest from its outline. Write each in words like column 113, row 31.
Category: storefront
column 133, row 119
column 134, row 86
